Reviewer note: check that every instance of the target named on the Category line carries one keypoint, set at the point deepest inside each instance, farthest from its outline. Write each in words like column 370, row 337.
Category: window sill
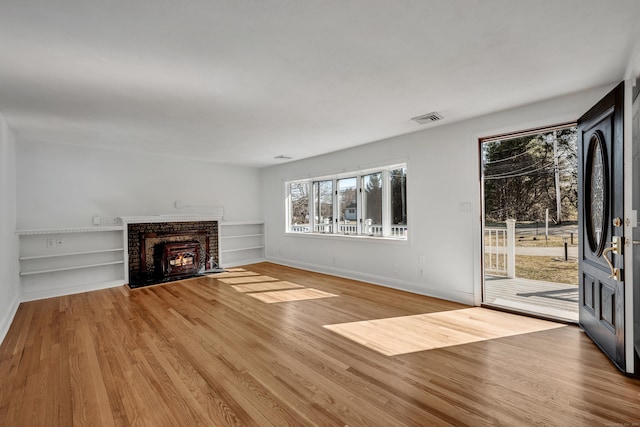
column 352, row 237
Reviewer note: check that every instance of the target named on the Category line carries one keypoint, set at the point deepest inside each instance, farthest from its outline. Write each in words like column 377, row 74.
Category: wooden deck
column 557, row 300
column 199, row 352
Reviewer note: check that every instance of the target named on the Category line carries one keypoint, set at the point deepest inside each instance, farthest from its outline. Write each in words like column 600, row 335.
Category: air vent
column 427, row 118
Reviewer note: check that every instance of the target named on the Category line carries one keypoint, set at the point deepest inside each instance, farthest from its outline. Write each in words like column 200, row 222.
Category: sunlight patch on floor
column 248, row 279
column 227, row 274
column 407, row 334
column 291, row 295
column 266, row 286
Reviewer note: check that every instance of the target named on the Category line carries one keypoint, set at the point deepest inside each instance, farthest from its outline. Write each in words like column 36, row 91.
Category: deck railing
column 323, row 228
column 495, row 251
column 350, row 228
column 500, row 250
column 399, row 231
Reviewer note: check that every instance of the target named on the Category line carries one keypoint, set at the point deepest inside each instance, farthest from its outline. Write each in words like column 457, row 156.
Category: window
column 398, row 201
column 348, row 206
column 299, row 196
column 323, row 206
column 371, row 203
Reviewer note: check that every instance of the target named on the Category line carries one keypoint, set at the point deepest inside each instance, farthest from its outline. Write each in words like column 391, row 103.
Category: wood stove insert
column 178, row 259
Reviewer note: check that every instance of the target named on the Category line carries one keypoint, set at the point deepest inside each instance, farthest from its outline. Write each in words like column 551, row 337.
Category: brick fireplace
column 162, row 251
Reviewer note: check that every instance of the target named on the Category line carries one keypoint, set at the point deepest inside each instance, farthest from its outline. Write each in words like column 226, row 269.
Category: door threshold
column 529, row 314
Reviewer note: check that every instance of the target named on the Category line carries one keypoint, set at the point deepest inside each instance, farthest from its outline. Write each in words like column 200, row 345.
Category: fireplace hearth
column 165, row 251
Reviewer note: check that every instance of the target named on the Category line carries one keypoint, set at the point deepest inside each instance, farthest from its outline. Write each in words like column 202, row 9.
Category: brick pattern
column 144, row 236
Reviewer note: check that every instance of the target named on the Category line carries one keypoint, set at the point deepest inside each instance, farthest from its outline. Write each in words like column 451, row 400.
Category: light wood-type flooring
column 199, row 352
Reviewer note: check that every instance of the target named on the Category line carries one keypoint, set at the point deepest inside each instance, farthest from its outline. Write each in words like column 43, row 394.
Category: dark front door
column 601, row 210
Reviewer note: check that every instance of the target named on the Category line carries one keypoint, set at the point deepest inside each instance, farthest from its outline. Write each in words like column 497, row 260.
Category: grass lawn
column 533, row 241
column 546, row 269
column 554, row 241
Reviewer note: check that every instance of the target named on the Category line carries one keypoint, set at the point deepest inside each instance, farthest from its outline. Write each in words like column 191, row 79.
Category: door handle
column 616, row 248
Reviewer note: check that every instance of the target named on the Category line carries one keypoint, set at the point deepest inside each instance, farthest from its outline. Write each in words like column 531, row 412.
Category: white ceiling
column 241, row 81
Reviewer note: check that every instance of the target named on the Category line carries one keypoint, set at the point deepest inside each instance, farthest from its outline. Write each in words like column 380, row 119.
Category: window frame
column 335, row 228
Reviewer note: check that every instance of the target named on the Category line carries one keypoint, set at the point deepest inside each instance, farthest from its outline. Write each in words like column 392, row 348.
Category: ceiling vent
column 427, row 118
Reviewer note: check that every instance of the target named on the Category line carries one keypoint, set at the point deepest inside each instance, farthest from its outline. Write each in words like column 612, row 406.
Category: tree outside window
column 372, row 204
column 398, row 200
column 323, row 205
column 299, row 192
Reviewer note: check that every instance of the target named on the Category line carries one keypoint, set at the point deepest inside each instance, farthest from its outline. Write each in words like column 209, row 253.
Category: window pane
column 399, row 202
column 323, row 206
column 348, row 206
column 299, row 207
column 372, row 204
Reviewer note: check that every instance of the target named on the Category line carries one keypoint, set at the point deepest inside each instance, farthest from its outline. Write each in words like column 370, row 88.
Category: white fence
column 376, row 230
column 500, row 250
column 350, row 228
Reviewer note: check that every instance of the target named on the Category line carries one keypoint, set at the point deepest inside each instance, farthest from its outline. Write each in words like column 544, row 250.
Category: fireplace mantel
column 168, row 218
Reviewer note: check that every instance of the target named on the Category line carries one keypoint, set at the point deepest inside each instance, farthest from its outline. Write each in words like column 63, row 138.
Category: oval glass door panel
column 596, row 181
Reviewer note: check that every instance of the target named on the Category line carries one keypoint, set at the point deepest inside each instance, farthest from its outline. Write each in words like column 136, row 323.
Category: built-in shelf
column 81, row 258
column 242, row 249
column 37, row 231
column 241, row 243
column 25, row 258
column 241, row 236
column 75, row 267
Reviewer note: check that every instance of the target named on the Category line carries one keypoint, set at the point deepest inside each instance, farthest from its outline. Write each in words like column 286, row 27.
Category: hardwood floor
column 198, row 352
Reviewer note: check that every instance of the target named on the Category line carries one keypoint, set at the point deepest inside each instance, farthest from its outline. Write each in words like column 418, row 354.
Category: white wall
column 9, row 290
column 65, row 186
column 443, row 171
column 633, row 64
column 60, row 186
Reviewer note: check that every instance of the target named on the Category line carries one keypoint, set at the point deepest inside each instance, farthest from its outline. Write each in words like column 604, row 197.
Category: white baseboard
column 5, row 322
column 58, row 292
column 413, row 287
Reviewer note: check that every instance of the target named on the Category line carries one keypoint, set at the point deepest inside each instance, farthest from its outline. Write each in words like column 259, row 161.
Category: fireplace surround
column 162, row 249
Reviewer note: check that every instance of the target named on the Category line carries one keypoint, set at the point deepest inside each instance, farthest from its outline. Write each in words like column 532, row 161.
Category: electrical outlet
column 395, row 268
column 51, row 243
column 58, row 243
